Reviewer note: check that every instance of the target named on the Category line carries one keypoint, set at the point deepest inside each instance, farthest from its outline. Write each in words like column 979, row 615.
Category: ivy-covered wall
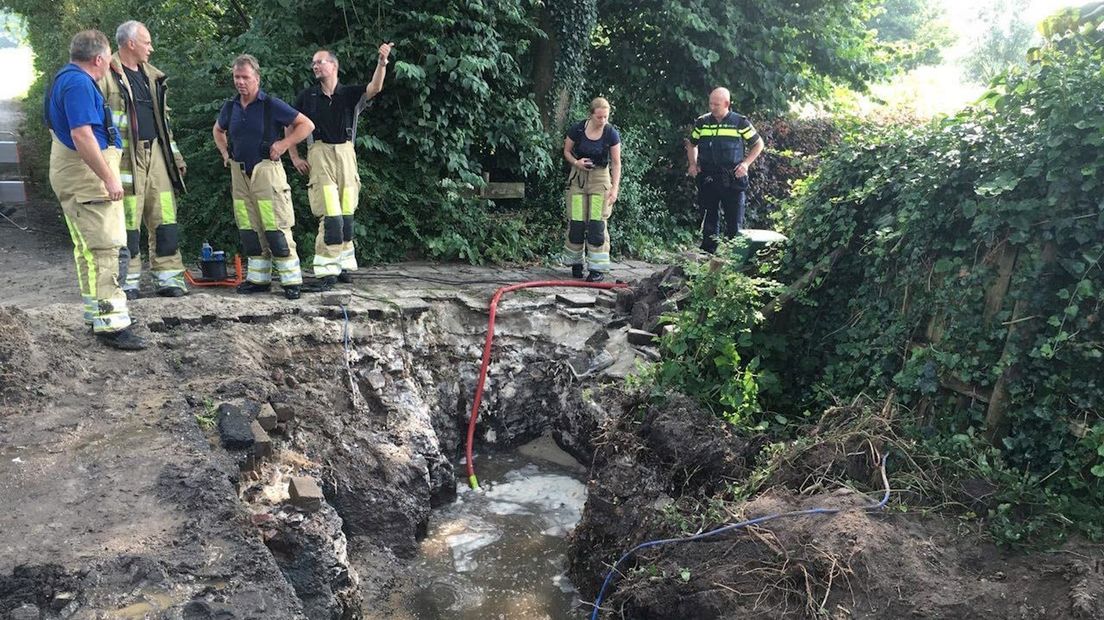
column 956, row 266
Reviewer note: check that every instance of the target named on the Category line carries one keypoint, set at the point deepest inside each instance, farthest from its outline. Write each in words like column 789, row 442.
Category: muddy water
column 500, row 552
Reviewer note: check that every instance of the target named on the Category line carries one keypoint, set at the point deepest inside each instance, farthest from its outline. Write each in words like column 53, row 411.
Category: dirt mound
column 20, row 364
column 643, row 462
column 653, row 296
column 661, row 477
column 39, row 587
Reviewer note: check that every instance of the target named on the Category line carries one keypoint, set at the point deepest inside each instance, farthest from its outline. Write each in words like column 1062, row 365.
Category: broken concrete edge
column 576, row 300
column 640, row 337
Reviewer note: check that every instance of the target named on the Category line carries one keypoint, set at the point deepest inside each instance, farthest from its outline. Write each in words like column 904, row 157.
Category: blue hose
column 729, row 528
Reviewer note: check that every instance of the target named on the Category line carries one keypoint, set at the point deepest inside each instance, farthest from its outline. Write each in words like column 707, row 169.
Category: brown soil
column 117, row 500
column 646, row 485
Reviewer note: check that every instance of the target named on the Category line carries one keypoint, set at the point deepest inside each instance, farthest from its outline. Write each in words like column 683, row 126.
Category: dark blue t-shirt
column 76, row 101
column 245, row 127
column 596, row 150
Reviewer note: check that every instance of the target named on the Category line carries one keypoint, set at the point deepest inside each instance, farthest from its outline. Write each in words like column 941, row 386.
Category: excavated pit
column 175, row 502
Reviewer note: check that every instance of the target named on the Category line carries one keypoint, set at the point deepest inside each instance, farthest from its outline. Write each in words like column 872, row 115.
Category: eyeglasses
column 315, row 63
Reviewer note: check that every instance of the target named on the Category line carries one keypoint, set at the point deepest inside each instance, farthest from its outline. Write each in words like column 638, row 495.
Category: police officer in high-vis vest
column 719, row 160
column 152, row 166
column 246, row 135
column 334, row 186
column 84, row 173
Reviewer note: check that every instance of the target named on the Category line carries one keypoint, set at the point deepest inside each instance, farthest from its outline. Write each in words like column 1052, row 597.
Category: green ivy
column 919, row 219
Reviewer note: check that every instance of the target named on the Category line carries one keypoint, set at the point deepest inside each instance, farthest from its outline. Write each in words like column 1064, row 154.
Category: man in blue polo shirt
column 246, row 135
column 84, row 173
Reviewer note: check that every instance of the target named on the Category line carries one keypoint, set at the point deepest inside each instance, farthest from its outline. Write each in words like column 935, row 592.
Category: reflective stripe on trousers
column 265, row 218
column 334, row 192
column 150, row 200
column 587, row 236
column 99, row 237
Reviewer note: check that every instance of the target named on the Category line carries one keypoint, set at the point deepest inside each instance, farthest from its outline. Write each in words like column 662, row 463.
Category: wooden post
column 1019, row 331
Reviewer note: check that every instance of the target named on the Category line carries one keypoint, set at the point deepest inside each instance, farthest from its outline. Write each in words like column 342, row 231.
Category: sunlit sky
column 942, row 89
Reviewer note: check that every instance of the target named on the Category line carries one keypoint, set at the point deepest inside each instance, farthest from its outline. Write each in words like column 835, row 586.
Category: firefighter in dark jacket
column 151, row 168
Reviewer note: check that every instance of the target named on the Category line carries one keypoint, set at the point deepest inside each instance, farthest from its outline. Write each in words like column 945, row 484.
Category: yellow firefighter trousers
column 149, row 199
column 99, row 236
column 587, row 216
column 263, row 211
column 334, row 191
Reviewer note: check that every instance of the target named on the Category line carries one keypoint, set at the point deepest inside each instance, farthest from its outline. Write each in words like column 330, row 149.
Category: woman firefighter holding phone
column 593, row 149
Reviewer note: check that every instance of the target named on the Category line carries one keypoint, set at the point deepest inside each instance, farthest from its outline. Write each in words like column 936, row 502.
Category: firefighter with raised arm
column 334, row 186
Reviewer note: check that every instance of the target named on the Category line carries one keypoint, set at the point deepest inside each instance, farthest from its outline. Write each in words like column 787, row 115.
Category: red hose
column 490, row 339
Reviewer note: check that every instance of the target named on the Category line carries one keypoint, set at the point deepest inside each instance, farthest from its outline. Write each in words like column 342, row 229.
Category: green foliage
column 460, row 101
column 912, row 33
column 570, row 25
column 706, row 354
column 967, row 273
column 1004, row 42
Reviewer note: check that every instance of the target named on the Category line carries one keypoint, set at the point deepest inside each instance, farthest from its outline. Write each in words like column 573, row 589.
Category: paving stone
column 305, row 493
column 607, row 299
column 376, row 380
column 336, row 298
column 284, row 411
column 267, row 417
column 411, row 306
column 641, row 337
column 576, row 300
column 234, row 427
column 262, row 443
column 25, row 612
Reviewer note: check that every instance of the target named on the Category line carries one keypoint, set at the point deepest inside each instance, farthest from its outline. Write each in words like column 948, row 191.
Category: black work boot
column 291, row 292
column 577, row 271
column 327, row 283
column 171, row 291
column 248, row 288
column 124, row 340
column 132, row 293
column 595, row 276
column 345, row 277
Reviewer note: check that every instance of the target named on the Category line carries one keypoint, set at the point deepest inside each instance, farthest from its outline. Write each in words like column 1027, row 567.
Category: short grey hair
column 127, row 31
column 87, row 44
column 329, row 54
column 248, row 60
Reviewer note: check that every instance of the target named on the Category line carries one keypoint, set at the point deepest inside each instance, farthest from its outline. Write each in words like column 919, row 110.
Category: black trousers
column 717, row 191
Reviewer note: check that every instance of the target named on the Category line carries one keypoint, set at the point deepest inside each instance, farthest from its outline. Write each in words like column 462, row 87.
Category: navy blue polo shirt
column 595, row 150
column 76, row 101
column 245, row 127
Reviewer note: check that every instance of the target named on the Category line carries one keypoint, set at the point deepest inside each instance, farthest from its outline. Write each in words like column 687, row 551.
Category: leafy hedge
column 956, row 265
column 460, row 101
